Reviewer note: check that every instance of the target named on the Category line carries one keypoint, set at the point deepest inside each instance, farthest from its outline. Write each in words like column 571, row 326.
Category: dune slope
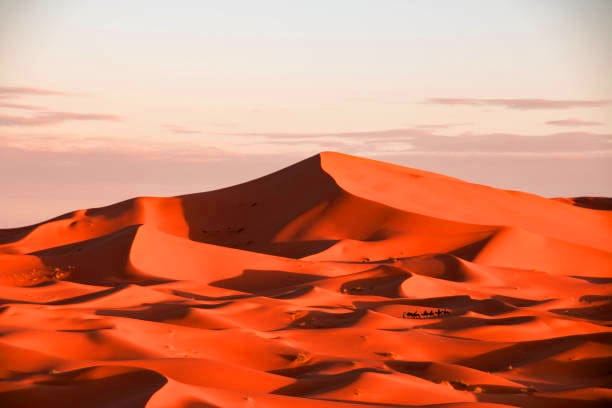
column 336, row 282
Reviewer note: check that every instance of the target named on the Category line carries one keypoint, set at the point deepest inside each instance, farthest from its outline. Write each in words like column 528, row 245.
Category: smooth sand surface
column 290, row 290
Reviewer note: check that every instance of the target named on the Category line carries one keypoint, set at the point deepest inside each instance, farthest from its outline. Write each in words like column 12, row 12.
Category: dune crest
column 336, row 282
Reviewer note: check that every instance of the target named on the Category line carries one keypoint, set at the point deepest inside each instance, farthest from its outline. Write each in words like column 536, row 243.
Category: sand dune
column 291, row 290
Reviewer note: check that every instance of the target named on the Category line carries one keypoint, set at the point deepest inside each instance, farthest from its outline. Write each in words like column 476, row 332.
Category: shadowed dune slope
column 336, row 282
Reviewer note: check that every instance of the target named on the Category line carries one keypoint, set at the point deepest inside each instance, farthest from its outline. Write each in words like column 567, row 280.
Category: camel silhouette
column 425, row 314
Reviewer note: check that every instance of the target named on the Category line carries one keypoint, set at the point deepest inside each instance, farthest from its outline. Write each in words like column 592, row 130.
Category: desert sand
column 290, row 290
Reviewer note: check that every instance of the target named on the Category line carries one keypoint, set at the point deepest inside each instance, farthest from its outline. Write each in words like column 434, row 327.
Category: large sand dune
column 290, row 290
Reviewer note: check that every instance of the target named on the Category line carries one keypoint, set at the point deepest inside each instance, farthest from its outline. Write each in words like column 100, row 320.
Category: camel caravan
column 427, row 314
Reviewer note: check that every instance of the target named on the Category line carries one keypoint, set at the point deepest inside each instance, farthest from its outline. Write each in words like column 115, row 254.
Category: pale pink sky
column 105, row 100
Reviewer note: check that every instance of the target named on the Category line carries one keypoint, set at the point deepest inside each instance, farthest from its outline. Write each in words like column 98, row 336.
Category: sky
column 102, row 101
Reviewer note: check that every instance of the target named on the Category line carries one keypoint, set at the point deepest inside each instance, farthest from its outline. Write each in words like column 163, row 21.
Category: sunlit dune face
column 335, row 281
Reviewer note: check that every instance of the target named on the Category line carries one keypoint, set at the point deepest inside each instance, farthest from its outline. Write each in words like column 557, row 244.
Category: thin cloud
column 322, row 144
column 516, row 143
column 19, row 106
column 573, row 122
column 181, row 130
column 553, row 154
column 523, row 103
column 441, row 125
column 367, row 134
column 53, row 118
column 80, row 145
column 427, row 142
column 6, row 91
column 40, row 116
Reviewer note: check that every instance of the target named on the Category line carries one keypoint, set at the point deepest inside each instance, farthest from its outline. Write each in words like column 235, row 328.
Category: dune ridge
column 291, row 290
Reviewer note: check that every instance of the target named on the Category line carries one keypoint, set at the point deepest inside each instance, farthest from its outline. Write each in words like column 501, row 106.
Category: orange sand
column 289, row 290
